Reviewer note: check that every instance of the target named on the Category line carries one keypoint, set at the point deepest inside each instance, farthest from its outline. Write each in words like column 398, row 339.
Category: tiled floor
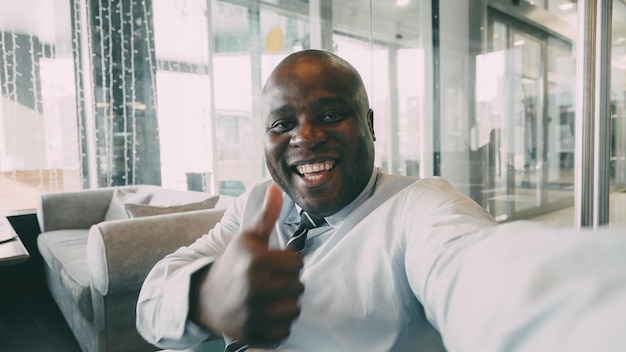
column 565, row 217
column 33, row 322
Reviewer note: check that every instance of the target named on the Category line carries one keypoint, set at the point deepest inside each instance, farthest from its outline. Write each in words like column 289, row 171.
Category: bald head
column 306, row 64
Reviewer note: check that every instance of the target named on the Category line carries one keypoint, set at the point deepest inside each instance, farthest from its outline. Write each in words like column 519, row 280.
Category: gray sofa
column 95, row 268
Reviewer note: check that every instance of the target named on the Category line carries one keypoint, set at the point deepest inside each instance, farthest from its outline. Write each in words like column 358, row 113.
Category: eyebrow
column 332, row 100
column 288, row 108
column 281, row 110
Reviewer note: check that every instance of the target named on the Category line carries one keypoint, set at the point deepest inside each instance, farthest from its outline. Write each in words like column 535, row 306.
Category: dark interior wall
column 124, row 76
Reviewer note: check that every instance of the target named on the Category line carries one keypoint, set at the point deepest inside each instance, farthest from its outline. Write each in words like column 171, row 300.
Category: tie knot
column 309, row 221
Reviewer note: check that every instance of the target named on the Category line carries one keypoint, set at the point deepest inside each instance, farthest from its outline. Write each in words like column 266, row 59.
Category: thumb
column 269, row 213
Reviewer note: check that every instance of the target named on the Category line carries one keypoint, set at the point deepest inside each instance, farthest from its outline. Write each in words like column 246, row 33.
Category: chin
column 321, row 207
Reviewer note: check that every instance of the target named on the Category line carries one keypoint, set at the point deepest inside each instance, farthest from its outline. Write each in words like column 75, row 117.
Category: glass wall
column 40, row 147
column 525, row 115
column 617, row 137
column 506, row 111
column 111, row 92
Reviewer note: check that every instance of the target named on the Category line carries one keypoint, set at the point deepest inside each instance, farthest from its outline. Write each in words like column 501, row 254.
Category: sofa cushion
column 120, row 197
column 65, row 253
column 139, row 210
column 167, row 196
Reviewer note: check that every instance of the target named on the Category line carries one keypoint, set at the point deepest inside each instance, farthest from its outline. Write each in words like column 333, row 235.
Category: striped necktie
column 236, row 346
column 296, row 242
column 307, row 222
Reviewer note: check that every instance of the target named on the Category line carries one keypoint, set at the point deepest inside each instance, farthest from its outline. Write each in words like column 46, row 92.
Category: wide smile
column 314, row 173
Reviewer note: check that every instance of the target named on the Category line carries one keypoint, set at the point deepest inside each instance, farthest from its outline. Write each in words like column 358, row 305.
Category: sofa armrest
column 121, row 253
column 73, row 210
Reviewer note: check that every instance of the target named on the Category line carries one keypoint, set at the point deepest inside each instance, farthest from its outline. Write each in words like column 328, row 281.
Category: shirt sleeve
column 439, row 221
column 514, row 287
column 524, row 286
column 163, row 303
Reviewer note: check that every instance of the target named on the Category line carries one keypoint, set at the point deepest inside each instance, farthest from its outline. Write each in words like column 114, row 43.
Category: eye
column 280, row 126
column 333, row 116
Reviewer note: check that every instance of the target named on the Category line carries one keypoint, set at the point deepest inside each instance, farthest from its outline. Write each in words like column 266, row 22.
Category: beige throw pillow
column 120, row 197
column 140, row 210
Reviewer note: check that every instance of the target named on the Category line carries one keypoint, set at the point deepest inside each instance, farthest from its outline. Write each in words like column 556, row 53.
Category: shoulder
column 419, row 194
column 252, row 198
column 258, row 190
column 436, row 195
column 247, row 205
column 436, row 185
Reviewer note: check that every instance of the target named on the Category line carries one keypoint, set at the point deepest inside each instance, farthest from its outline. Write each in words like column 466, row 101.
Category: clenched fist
column 251, row 292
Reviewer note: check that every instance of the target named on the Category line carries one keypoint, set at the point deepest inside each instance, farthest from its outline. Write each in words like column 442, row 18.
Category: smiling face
column 319, row 142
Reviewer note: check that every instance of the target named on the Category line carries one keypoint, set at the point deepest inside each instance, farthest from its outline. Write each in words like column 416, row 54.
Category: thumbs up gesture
column 251, row 293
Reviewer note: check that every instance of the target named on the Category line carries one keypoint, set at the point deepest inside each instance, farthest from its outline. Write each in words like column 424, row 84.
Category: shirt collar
column 336, row 219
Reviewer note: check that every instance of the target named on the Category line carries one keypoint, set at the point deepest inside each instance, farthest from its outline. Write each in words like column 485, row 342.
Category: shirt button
column 309, row 242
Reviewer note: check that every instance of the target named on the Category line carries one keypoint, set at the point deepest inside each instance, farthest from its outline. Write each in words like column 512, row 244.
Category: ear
column 370, row 122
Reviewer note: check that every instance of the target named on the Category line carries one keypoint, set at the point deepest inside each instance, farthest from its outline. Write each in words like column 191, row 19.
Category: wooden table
column 12, row 250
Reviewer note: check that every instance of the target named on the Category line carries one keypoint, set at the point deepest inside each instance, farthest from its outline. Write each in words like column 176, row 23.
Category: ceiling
column 391, row 22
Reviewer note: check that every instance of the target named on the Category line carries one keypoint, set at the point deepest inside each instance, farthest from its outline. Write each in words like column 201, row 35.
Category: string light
column 10, row 78
column 125, row 117
column 133, row 90
column 78, row 87
column 36, row 102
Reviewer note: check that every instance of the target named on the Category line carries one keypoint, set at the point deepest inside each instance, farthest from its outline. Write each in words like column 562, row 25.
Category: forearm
column 208, row 298
column 197, row 312
column 526, row 287
column 163, row 306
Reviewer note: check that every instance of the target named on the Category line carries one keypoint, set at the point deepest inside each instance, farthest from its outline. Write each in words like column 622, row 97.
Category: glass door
column 525, row 119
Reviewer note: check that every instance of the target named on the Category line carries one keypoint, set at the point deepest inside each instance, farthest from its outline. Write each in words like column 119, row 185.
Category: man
column 358, row 281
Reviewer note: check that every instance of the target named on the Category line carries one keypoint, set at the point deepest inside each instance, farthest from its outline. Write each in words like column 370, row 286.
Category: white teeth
column 317, row 167
column 313, row 177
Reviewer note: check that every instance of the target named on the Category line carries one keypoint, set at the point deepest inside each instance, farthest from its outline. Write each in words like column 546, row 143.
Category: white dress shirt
column 365, row 273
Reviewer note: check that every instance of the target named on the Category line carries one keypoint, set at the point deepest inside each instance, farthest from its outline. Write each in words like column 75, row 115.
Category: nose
column 308, row 135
